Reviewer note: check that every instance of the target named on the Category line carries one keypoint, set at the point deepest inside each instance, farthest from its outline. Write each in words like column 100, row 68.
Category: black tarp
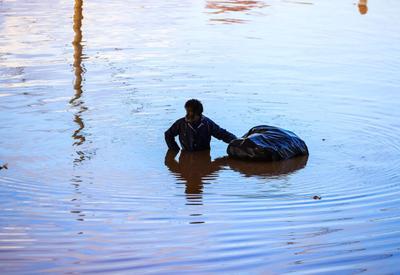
column 267, row 143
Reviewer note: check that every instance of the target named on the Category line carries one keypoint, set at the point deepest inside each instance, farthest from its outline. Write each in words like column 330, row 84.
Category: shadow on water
column 79, row 70
column 363, row 6
column 197, row 168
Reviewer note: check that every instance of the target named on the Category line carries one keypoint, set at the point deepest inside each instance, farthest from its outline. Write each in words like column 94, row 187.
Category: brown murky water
column 87, row 89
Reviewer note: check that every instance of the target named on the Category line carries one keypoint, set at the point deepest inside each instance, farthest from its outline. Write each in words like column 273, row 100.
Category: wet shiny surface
column 88, row 88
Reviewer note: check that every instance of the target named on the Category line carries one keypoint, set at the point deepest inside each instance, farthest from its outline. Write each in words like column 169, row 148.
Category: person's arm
column 221, row 133
column 170, row 135
column 218, row 163
column 171, row 162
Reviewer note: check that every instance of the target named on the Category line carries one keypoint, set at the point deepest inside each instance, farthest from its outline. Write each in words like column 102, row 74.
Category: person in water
column 195, row 130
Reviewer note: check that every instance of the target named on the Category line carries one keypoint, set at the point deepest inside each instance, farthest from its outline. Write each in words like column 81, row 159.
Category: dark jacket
column 194, row 138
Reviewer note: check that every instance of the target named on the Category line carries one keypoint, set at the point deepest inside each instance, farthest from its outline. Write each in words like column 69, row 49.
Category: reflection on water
column 362, row 6
column 227, row 7
column 79, row 70
column 233, row 6
column 196, row 169
column 274, row 169
column 76, row 211
column 193, row 168
column 78, row 49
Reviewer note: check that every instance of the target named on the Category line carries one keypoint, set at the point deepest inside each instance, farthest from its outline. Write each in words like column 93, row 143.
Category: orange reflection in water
column 222, row 7
column 363, row 7
column 233, row 5
column 78, row 48
column 78, row 72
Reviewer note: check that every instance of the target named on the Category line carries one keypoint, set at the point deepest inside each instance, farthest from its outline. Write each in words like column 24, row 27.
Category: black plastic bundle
column 267, row 143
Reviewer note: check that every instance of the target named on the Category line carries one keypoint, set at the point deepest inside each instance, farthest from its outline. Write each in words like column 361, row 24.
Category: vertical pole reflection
column 78, row 71
column 77, row 26
column 78, row 104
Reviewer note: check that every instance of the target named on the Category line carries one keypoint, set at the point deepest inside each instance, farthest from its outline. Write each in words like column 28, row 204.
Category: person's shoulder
column 180, row 120
column 177, row 124
column 207, row 120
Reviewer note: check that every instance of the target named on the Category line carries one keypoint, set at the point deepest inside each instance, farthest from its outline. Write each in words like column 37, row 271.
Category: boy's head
column 194, row 110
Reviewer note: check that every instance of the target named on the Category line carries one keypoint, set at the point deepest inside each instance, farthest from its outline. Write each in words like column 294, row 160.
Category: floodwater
column 87, row 89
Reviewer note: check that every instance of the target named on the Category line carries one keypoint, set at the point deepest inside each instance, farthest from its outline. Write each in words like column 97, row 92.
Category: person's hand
column 171, row 153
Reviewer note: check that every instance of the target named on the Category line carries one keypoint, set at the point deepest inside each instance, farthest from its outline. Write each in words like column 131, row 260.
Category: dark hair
column 194, row 105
